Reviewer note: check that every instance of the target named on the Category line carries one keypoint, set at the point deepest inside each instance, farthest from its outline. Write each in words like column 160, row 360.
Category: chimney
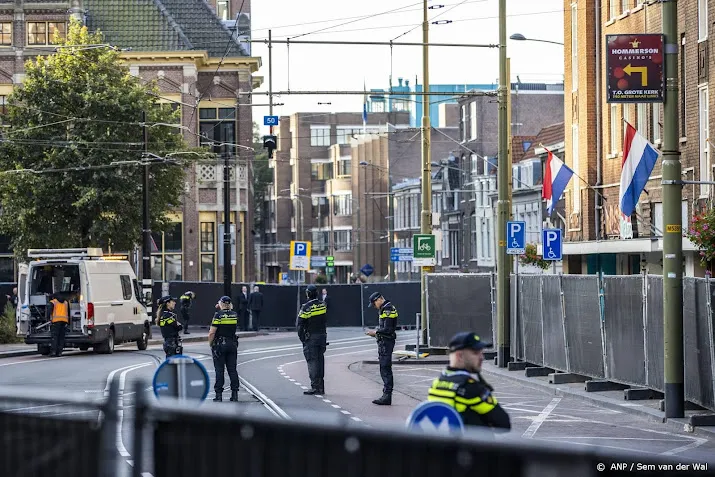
column 407, row 83
column 399, row 81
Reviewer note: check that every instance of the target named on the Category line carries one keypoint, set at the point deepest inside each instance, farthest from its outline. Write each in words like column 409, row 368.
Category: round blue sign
column 434, row 416
column 181, row 377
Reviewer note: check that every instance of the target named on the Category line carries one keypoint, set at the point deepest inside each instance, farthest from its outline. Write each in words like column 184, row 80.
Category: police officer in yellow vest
column 462, row 386
column 224, row 347
column 58, row 313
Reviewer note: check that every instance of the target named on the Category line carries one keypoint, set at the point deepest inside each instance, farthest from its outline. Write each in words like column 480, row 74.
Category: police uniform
column 311, row 325
column 386, row 336
column 58, row 312
column 170, row 327
column 186, row 300
column 224, row 348
column 467, row 392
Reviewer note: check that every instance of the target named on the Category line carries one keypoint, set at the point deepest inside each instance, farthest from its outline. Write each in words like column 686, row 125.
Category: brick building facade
column 178, row 43
column 601, row 238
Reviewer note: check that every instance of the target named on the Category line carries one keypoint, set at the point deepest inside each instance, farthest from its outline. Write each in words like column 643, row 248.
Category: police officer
column 311, row 324
column 462, row 386
column 186, row 300
column 58, row 312
column 224, row 347
column 386, row 336
column 169, row 325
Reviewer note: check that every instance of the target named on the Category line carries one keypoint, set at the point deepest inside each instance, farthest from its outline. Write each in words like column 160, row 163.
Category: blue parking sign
column 553, row 245
column 516, row 238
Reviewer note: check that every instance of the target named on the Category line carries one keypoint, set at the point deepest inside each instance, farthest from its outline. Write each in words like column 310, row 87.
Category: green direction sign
column 330, row 258
column 423, row 246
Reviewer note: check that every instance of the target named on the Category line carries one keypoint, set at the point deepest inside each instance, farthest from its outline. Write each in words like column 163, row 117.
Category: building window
column 655, row 115
column 473, row 119
column 574, row 47
column 6, row 33
column 377, row 107
column 343, row 205
column 614, row 129
column 463, row 112
column 575, row 162
column 625, row 5
column 222, row 10
column 342, row 240
column 344, row 166
column 320, row 241
column 166, row 258
column 320, row 137
column 44, row 33
column 642, row 119
column 208, row 251
column 612, row 9
column 319, row 210
column 683, row 87
column 321, row 171
column 453, row 248
column 217, row 127
column 702, row 19
column 704, row 146
column 473, row 225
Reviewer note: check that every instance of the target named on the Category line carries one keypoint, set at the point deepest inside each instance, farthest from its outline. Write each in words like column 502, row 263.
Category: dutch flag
column 639, row 158
column 556, row 177
column 364, row 108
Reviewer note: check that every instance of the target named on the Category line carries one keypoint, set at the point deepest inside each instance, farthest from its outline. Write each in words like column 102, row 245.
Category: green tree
column 262, row 176
column 78, row 114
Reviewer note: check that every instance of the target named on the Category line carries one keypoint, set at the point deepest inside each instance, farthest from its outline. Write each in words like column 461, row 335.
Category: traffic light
column 269, row 142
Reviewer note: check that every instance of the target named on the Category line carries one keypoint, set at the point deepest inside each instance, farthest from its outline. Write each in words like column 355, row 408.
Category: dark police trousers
column 314, row 351
column 57, row 332
column 225, row 354
column 385, row 346
column 172, row 347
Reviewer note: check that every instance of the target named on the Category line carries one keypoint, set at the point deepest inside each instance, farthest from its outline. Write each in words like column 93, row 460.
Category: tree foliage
column 262, row 176
column 78, row 113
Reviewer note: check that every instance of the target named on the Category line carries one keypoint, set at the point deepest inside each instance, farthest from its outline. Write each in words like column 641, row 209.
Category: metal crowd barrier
column 76, row 436
column 608, row 328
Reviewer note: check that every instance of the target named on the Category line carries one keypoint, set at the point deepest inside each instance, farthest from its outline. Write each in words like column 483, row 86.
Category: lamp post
column 520, row 37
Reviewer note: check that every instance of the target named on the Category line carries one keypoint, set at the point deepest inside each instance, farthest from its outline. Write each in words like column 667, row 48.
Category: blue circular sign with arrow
column 434, row 416
column 181, row 377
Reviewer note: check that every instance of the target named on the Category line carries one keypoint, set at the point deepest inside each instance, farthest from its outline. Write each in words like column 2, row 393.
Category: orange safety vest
column 60, row 312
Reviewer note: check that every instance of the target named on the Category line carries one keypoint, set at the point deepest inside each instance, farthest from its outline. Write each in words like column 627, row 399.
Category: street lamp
column 520, row 37
column 391, row 216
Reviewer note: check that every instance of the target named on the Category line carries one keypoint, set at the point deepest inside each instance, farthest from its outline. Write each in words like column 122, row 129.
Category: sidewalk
column 196, row 334
column 557, row 413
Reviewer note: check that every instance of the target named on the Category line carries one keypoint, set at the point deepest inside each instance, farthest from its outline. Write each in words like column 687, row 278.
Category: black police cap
column 468, row 340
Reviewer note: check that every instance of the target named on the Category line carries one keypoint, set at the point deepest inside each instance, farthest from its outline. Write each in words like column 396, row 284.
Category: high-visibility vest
column 60, row 312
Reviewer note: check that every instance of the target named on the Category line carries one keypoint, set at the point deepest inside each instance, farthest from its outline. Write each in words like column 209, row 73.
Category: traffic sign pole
column 270, row 79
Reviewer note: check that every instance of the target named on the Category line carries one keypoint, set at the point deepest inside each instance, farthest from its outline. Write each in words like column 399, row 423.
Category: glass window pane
column 172, row 270
column 207, row 113
column 158, row 241
column 207, row 268
column 7, row 269
column 207, row 237
column 172, row 238
column 156, row 267
column 227, row 113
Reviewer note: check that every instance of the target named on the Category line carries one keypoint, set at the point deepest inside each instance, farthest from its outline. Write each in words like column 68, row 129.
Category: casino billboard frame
column 632, row 59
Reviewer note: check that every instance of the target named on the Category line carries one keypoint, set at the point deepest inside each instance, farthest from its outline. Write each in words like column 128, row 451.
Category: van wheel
column 108, row 346
column 143, row 342
column 83, row 348
column 43, row 349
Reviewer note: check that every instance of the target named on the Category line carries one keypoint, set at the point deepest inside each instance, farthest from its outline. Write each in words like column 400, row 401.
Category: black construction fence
column 348, row 304
column 74, row 435
column 608, row 327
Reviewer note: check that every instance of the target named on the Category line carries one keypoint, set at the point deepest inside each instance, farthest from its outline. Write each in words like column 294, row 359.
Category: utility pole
column 270, row 79
column 504, row 201
column 390, row 223
column 227, row 220
column 672, row 216
column 146, row 226
column 426, row 223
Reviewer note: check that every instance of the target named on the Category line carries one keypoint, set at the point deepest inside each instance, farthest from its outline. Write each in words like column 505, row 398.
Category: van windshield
column 55, row 278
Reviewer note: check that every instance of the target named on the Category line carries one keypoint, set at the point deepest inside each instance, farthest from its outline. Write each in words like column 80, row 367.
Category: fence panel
column 517, row 331
column 697, row 331
column 583, row 325
column 625, row 350
column 343, row 304
column 530, row 313
column 553, row 324
column 654, row 333
column 458, row 302
column 406, row 296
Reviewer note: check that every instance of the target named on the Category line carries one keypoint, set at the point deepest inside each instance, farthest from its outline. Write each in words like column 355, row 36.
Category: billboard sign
column 635, row 70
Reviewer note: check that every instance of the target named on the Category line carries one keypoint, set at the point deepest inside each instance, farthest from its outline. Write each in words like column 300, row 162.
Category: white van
column 104, row 297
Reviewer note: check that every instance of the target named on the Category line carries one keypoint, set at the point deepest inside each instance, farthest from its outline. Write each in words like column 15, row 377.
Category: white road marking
column 304, row 387
column 120, row 414
column 327, row 400
column 356, row 419
column 697, row 442
column 529, row 433
column 32, row 361
column 335, row 406
column 345, row 412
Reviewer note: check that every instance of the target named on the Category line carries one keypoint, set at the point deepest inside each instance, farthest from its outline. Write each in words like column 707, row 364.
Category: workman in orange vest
column 58, row 312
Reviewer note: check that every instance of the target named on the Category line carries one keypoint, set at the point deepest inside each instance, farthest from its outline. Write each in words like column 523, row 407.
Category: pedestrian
column 312, row 331
column 58, row 313
column 169, row 325
column 187, row 299
column 462, row 386
column 243, row 308
column 224, row 347
column 13, row 298
column 386, row 336
column 255, row 304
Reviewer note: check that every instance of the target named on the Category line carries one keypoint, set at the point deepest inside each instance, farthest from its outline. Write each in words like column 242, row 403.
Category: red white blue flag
column 639, row 158
column 556, row 177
